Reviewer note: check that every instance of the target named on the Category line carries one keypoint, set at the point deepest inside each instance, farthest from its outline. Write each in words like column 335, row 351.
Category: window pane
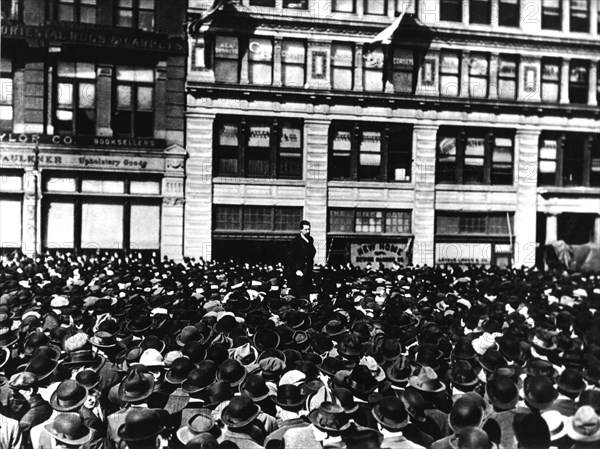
column 341, row 220
column 10, row 183
column 87, row 95
column 397, row 222
column 60, row 225
column 145, row 100
column 228, row 218
column 125, row 74
column 146, row 20
column 375, row 7
column 66, row 13
column 228, row 135
column 343, row 5
column 260, row 50
column 287, row 218
column 144, row 227
column 226, row 71
column 291, row 136
column 101, row 226
column 6, row 91
column 295, row 4
column 85, row 70
column 65, row 94
column 102, row 186
column 124, row 97
column 61, row 184
column 370, row 149
column 146, row 4
column 258, row 218
column 10, row 223
column 369, row 221
column 226, row 47
column 125, row 18
column 260, row 136
column 144, row 187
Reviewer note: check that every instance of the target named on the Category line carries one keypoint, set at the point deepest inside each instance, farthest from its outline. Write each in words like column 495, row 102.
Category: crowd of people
column 115, row 351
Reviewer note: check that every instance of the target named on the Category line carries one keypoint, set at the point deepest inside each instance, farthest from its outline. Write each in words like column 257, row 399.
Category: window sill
column 394, row 185
column 258, row 181
column 476, row 187
column 574, row 191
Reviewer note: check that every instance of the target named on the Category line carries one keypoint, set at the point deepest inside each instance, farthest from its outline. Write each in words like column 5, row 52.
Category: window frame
column 480, row 12
column 78, row 6
column 508, row 77
column 335, row 7
column 387, row 153
column 276, row 152
column 337, row 66
column 135, row 9
column 76, row 83
column 455, row 172
column 7, row 98
column 578, row 90
column 579, row 19
column 551, row 17
column 291, row 64
column 547, row 79
column 134, row 92
column 509, row 16
column 451, row 10
column 477, row 76
column 401, row 68
column 252, row 63
column 276, row 214
column 353, row 214
column 217, row 59
column 368, row 13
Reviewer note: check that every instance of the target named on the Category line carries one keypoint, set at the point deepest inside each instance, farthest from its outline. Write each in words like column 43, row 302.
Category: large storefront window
column 475, row 156
column 369, row 236
column 94, row 211
column 255, row 147
column 474, row 238
column 11, row 214
column 363, row 152
column 569, row 160
column 254, row 233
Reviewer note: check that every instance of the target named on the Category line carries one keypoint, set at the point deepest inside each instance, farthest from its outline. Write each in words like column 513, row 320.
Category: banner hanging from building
column 386, row 253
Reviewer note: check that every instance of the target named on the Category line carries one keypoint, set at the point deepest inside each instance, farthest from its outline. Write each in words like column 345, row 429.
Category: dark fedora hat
column 540, row 367
column 7, row 336
column 68, row 396
column 352, row 347
column 103, row 340
column 142, row 424
column 42, row 366
column 200, row 378
column 153, row 342
column 463, row 350
column 427, row 381
column 492, row 360
column 179, row 370
column 194, row 350
column 361, row 381
column 539, row 392
column 345, row 398
column 255, row 387
column 502, row 392
column 289, row 397
column 240, row 412
column 139, row 323
column 266, row 339
column 591, row 373
column 136, row 386
column 84, row 357
column 88, row 378
column 231, row 371
column 217, row 393
column 187, row 334
column 390, row 413
column 329, row 417
column 331, row 365
column 510, row 347
column 571, row 382
column 334, row 328
column 321, row 343
column 399, row 371
column 70, row 429
column 463, row 376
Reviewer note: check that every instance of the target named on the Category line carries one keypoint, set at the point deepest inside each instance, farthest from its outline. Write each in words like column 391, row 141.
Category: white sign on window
column 342, row 141
column 290, row 137
column 463, row 253
column 228, row 135
column 386, row 253
column 260, row 136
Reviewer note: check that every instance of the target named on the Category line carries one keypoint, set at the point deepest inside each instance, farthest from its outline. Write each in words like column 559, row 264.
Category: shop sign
column 102, row 37
column 463, row 253
column 95, row 141
column 13, row 159
column 386, row 253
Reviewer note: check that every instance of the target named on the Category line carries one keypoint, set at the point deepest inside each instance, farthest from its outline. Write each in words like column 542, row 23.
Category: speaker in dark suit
column 301, row 258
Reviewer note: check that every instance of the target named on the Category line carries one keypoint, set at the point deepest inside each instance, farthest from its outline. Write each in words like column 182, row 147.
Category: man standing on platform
column 301, row 260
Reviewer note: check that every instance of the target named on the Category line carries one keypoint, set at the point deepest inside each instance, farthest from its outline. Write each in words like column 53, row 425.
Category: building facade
column 92, row 125
column 470, row 135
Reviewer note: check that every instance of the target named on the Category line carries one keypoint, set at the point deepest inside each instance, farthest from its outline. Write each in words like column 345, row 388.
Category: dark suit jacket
column 39, row 411
column 301, row 255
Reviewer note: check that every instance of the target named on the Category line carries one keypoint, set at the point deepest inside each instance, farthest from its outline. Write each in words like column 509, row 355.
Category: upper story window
column 551, row 14
column 580, row 16
column 10, row 9
column 569, row 159
column 480, row 11
column 260, row 61
column 343, row 6
column 226, row 59
column 508, row 13
column 550, row 80
column 134, row 102
column 373, row 69
column 475, row 156
column 136, row 14
column 342, row 66
column 403, row 64
column 249, row 147
column 451, row 10
column 449, row 73
column 75, row 98
column 6, row 95
column 377, row 7
column 369, row 221
column 478, row 75
column 507, row 77
column 79, row 11
column 578, row 82
column 293, row 60
column 360, row 152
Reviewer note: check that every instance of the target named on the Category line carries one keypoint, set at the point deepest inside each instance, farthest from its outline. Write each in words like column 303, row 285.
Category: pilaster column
column 172, row 216
column 198, row 183
column 495, row 13
column 593, row 14
column 564, row 81
column 423, row 219
column 277, row 57
column 596, row 237
column 566, row 15
column 104, row 100
column 32, row 211
column 19, row 101
column 466, row 16
column 358, row 68
column 592, row 84
column 315, row 202
column 526, row 169
column 160, row 101
column 493, row 82
column 463, row 89
column 197, row 70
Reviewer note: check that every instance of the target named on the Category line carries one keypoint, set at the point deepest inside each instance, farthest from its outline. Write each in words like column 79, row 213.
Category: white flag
column 385, row 37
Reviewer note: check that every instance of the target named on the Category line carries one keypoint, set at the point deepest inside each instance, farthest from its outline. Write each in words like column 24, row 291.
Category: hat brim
column 230, row 422
column 56, row 406
column 311, row 418
column 384, row 422
column 286, row 405
column 25, row 367
column 144, row 395
column 96, row 363
column 85, row 439
column 185, row 435
column 576, row 436
column 413, row 382
column 125, row 437
column 502, row 405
